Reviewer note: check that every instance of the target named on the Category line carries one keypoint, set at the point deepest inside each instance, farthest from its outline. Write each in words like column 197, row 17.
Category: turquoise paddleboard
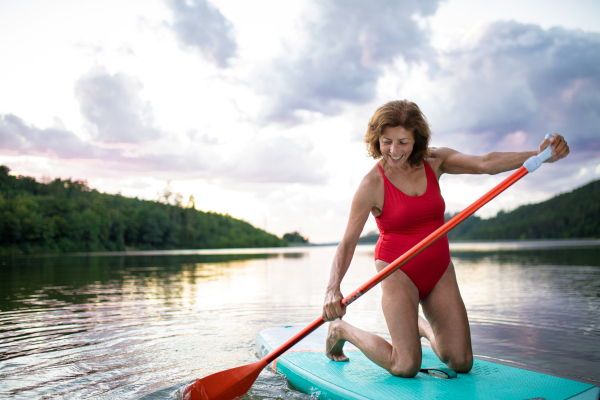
column 310, row 371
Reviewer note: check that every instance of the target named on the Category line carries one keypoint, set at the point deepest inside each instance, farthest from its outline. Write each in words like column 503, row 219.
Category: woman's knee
column 405, row 368
column 459, row 362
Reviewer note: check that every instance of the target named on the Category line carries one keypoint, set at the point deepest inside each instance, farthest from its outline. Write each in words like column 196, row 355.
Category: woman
column 402, row 193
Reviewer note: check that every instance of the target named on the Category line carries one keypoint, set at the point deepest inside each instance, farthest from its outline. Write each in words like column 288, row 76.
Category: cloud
column 112, row 105
column 200, row 25
column 509, row 77
column 279, row 160
column 348, row 45
column 19, row 137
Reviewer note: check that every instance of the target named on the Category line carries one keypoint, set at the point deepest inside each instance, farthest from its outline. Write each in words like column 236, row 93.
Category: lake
column 143, row 324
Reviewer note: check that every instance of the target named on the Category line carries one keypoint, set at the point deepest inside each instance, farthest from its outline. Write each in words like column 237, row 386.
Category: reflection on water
column 536, row 307
column 141, row 325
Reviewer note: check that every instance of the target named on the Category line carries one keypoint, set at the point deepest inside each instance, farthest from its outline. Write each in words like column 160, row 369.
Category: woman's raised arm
column 453, row 162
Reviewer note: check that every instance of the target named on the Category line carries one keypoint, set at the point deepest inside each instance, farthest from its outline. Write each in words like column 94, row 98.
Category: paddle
column 234, row 383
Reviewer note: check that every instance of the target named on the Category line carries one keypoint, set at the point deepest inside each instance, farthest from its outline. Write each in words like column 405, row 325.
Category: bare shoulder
column 370, row 192
column 372, row 178
column 436, row 158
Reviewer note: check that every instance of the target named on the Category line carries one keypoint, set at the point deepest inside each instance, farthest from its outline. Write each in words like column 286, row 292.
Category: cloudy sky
column 258, row 109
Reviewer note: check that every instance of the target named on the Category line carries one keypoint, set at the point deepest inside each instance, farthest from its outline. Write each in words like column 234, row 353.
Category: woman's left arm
column 453, row 162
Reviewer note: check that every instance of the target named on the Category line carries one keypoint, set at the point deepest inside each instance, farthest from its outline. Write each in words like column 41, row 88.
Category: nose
column 395, row 147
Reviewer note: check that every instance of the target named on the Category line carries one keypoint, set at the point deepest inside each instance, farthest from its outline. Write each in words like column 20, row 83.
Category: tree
column 191, row 202
column 294, row 237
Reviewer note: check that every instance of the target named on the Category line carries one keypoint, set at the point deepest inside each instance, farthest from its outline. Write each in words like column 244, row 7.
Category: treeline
column 573, row 215
column 68, row 216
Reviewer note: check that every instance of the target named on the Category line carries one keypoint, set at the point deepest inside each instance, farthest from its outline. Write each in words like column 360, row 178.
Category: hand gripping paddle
column 234, row 383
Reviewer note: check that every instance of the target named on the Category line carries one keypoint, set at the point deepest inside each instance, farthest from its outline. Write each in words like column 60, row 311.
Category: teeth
column 396, row 158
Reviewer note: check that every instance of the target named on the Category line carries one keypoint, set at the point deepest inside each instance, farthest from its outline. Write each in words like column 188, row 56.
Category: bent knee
column 405, row 368
column 461, row 363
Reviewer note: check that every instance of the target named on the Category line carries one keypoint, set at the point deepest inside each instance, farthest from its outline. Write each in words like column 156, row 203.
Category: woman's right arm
column 362, row 203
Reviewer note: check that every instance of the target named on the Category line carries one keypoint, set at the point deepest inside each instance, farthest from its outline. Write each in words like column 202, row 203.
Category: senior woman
column 402, row 193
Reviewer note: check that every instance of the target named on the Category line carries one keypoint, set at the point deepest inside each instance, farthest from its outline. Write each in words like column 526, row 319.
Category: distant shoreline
column 455, row 246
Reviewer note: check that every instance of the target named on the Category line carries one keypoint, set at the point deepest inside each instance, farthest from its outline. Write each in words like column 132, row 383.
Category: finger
column 331, row 313
column 326, row 313
column 545, row 143
column 561, row 149
column 562, row 143
column 564, row 152
column 338, row 310
column 558, row 141
column 335, row 311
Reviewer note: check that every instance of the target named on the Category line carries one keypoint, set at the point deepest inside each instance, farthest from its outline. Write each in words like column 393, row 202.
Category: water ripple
column 131, row 326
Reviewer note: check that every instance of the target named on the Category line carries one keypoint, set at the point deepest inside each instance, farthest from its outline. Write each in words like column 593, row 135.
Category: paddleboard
column 310, row 371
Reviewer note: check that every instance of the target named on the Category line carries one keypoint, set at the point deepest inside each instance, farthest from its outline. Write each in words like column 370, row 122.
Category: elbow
column 347, row 246
column 486, row 165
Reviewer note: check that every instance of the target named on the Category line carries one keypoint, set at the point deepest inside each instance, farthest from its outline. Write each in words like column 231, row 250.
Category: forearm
column 496, row 162
column 339, row 267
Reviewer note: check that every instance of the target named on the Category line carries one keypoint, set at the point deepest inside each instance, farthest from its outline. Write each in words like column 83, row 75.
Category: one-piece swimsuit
column 404, row 222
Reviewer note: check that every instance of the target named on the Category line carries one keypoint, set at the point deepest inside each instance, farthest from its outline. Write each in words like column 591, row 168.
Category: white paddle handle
column 536, row 161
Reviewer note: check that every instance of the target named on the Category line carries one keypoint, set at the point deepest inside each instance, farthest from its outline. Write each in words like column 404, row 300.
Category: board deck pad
column 310, row 371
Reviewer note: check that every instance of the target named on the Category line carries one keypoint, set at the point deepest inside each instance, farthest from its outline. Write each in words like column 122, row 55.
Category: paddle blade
column 225, row 385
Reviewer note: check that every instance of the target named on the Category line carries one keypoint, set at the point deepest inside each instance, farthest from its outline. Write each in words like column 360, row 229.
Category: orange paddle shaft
column 403, row 259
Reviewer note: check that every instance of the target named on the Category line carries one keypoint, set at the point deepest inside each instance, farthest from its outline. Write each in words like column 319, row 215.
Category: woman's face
column 396, row 144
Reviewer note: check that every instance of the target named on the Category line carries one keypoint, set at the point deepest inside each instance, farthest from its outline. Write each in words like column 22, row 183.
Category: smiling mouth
column 396, row 158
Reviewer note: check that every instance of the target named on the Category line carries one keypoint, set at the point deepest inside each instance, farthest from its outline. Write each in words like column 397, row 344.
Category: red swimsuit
column 404, row 222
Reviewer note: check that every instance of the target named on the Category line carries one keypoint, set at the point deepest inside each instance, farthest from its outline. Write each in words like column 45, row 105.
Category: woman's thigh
column 400, row 302
column 446, row 313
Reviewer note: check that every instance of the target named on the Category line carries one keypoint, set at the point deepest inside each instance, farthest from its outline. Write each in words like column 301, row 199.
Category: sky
column 258, row 109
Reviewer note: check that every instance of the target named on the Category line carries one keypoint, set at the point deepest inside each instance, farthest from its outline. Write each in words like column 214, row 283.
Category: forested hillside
column 572, row 215
column 567, row 216
column 68, row 216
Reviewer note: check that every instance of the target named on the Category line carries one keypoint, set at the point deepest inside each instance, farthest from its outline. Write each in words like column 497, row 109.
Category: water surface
column 143, row 324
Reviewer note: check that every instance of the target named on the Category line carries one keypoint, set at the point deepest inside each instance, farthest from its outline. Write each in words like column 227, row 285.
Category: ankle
column 337, row 329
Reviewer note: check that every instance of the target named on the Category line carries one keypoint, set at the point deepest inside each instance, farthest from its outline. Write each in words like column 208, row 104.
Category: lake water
column 143, row 324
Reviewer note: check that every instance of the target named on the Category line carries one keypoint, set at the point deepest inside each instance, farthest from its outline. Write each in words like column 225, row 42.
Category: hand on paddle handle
column 558, row 147
column 332, row 306
column 553, row 148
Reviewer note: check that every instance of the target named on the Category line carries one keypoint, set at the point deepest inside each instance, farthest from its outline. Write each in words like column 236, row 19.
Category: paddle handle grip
column 536, row 161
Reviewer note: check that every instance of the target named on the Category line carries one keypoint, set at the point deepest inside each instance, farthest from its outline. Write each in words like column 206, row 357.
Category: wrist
column 333, row 288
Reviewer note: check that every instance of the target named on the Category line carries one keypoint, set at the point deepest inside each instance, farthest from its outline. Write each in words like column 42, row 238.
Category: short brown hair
column 402, row 113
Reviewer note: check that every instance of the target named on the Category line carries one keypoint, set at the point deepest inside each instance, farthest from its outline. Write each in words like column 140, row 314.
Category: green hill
column 68, row 216
column 567, row 216
column 572, row 215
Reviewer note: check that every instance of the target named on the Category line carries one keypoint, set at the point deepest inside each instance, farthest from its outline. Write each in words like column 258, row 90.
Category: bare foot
column 334, row 344
column 424, row 327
